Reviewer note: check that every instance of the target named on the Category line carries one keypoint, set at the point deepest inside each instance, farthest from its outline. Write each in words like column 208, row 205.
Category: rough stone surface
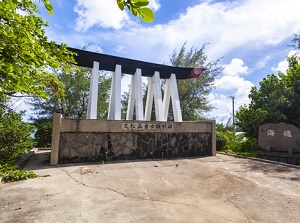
column 80, row 147
column 104, row 140
column 279, row 137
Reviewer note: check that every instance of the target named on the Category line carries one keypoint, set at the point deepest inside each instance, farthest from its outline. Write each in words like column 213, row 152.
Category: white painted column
column 93, row 95
column 171, row 91
column 154, row 92
column 149, row 100
column 166, row 100
column 114, row 110
column 136, row 97
column 131, row 99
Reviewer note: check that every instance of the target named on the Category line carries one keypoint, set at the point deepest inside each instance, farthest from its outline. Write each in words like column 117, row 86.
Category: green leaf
column 146, row 14
column 13, row 4
column 141, row 3
column 25, row 51
column 48, row 6
column 134, row 11
column 120, row 4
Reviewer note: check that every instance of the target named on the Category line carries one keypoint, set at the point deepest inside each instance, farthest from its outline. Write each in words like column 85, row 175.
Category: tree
column 296, row 42
column 14, row 141
column 193, row 93
column 72, row 105
column 43, row 132
column 125, row 99
column 276, row 100
column 26, row 56
column 26, row 53
column 76, row 84
column 104, row 86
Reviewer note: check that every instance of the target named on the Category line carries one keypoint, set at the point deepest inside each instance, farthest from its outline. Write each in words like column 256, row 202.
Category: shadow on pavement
column 266, row 167
column 41, row 160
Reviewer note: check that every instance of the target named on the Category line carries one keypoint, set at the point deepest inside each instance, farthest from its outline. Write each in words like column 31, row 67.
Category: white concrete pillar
column 114, row 110
column 136, row 97
column 57, row 119
column 171, row 91
column 93, row 95
column 154, row 92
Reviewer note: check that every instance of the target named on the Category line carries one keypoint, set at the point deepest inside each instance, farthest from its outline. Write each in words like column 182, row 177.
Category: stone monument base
column 283, row 157
column 76, row 140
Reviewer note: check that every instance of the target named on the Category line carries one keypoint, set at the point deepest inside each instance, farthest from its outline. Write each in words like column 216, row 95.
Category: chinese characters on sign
column 286, row 133
column 144, row 126
column 270, row 132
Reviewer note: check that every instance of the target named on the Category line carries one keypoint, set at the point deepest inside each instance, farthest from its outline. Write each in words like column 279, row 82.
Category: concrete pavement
column 210, row 189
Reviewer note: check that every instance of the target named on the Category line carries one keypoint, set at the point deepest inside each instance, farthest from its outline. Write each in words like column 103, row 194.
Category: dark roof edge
column 107, row 62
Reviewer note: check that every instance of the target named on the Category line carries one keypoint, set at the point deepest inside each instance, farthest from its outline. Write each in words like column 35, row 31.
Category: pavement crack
column 125, row 195
column 248, row 220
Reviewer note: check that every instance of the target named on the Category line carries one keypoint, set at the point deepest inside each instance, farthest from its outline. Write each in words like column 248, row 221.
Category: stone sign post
column 279, row 137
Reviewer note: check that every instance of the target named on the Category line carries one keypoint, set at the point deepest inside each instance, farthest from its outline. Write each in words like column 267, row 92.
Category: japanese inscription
column 145, row 126
column 286, row 133
column 270, row 132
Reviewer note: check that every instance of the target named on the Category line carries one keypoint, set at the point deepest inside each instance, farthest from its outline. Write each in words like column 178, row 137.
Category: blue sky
column 252, row 36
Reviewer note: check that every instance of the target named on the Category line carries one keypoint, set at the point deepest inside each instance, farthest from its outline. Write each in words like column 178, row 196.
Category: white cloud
column 231, row 78
column 154, row 5
column 103, row 13
column 228, row 26
column 222, row 105
column 230, row 84
column 247, row 24
column 262, row 63
column 283, row 65
column 225, row 25
column 94, row 48
column 236, row 67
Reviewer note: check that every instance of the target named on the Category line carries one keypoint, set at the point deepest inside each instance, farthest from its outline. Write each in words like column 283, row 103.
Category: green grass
column 10, row 173
column 247, row 153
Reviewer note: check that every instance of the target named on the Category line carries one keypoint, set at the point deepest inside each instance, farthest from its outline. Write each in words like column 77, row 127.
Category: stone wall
column 104, row 140
column 80, row 147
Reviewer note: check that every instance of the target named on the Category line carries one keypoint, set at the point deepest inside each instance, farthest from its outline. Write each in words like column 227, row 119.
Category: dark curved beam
column 107, row 62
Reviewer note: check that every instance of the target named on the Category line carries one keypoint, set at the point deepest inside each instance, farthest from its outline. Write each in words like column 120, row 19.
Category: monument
column 280, row 142
column 95, row 140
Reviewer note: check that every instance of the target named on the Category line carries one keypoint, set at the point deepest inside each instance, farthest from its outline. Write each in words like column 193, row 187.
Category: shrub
column 250, row 144
column 43, row 135
column 10, row 173
column 221, row 141
column 14, row 135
